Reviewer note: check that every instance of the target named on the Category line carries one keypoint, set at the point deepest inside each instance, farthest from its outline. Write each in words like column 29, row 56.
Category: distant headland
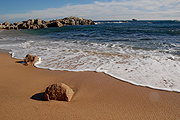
column 39, row 23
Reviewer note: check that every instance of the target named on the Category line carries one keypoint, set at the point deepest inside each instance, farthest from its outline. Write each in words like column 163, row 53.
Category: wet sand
column 97, row 96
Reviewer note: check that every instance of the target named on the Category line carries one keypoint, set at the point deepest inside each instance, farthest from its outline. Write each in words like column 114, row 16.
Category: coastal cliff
column 39, row 23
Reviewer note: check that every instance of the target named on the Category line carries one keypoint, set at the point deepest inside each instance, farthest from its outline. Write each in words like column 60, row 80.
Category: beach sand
column 97, row 96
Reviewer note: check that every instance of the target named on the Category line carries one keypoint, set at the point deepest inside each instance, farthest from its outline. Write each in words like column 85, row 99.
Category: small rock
column 60, row 92
column 30, row 59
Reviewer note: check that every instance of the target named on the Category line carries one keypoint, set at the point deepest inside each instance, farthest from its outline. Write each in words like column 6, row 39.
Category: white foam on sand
column 156, row 71
column 38, row 62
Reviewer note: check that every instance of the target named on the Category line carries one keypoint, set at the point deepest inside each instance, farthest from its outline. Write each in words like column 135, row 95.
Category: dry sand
column 98, row 96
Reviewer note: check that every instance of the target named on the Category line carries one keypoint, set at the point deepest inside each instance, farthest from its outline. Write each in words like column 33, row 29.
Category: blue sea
column 145, row 53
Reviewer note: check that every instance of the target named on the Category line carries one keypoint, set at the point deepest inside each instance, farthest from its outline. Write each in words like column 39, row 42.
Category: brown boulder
column 34, row 27
column 30, row 22
column 43, row 26
column 55, row 24
column 30, row 59
column 6, row 23
column 72, row 22
column 22, row 26
column 60, row 92
column 38, row 21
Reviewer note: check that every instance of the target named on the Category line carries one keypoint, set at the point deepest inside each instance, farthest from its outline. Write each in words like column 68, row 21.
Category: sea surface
column 145, row 53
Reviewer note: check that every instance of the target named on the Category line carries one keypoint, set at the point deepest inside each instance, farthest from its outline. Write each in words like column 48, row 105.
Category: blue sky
column 18, row 10
column 23, row 6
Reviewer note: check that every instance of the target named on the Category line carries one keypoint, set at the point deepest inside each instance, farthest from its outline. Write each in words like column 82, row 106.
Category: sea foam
column 139, row 67
column 156, row 71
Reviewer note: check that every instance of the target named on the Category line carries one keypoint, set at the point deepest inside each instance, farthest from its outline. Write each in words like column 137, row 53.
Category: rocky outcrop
column 32, row 24
column 30, row 59
column 39, row 23
column 76, row 21
column 60, row 92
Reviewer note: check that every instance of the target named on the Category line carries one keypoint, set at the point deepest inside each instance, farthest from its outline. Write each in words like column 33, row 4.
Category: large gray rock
column 60, row 92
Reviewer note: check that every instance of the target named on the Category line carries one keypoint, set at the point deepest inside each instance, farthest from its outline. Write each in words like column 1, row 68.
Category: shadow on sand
column 38, row 96
column 21, row 62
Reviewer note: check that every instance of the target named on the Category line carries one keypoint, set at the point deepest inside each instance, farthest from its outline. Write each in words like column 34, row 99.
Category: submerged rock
column 134, row 19
column 60, row 92
column 30, row 59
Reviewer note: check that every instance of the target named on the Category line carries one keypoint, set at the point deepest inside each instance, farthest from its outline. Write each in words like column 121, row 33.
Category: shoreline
column 137, row 66
column 110, row 75
column 97, row 95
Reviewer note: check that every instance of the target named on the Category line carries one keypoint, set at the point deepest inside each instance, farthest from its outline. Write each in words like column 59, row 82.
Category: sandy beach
column 97, row 96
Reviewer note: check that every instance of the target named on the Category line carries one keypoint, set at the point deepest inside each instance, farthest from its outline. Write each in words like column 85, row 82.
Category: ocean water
column 145, row 53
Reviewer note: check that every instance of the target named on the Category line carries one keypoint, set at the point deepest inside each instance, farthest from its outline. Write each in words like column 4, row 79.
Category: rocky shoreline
column 39, row 23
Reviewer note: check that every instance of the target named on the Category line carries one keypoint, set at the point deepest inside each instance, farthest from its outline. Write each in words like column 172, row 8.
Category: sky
column 19, row 10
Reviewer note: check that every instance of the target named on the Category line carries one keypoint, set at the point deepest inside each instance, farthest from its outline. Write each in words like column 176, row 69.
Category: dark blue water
column 146, row 35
